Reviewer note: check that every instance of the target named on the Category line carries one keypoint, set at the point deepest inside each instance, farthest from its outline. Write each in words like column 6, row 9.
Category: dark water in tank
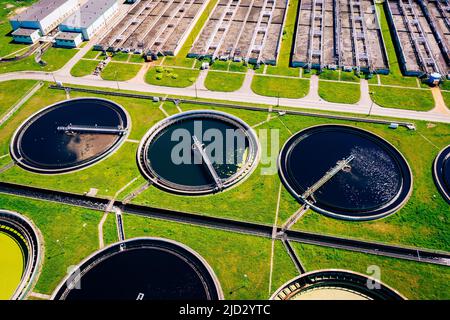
column 190, row 173
column 154, row 273
column 445, row 170
column 42, row 145
column 374, row 179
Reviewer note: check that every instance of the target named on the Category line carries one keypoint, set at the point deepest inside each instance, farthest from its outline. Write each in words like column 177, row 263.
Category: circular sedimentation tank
column 70, row 135
column 198, row 152
column 335, row 285
column 441, row 173
column 19, row 255
column 142, row 269
column 345, row 172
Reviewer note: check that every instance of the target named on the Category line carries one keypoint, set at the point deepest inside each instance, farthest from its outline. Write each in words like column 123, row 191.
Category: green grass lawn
column 278, row 86
column 224, row 81
column 414, row 280
column 136, row 58
column 330, row 75
column 403, row 98
column 55, row 58
column 349, row 77
column 92, row 54
column 241, row 262
column 84, row 68
column 339, row 92
column 69, row 235
column 120, row 71
column 7, row 46
column 446, row 96
column 7, row 10
column 172, row 77
column 12, row 91
column 220, row 65
column 420, row 223
column 238, row 67
column 120, row 56
column 179, row 61
column 283, row 71
column 42, row 98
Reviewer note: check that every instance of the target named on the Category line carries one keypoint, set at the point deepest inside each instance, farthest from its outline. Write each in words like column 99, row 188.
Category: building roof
column 24, row 32
column 40, row 10
column 67, row 35
column 89, row 13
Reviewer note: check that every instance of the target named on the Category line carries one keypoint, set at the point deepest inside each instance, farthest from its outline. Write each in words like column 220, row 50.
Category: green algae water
column 11, row 265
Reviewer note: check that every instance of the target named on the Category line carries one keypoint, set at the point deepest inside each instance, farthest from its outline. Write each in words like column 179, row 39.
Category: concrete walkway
column 440, row 106
column 201, row 80
column 233, row 96
column 313, row 94
column 247, row 84
column 365, row 98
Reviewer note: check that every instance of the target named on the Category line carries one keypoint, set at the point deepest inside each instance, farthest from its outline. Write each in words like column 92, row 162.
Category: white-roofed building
column 28, row 36
column 91, row 17
column 68, row 39
column 45, row 15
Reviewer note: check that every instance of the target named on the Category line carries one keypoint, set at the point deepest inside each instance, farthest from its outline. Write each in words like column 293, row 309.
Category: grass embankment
column 241, row 262
column 395, row 76
column 172, row 77
column 283, row 64
column 196, row 29
column 224, row 81
column 69, row 234
column 55, row 58
column 412, row 279
column 280, row 87
column 120, row 71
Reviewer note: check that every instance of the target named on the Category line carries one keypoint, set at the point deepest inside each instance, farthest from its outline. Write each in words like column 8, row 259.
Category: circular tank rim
column 75, row 168
column 336, row 215
column 235, row 180
column 208, row 267
column 33, row 264
column 437, row 177
column 341, row 271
